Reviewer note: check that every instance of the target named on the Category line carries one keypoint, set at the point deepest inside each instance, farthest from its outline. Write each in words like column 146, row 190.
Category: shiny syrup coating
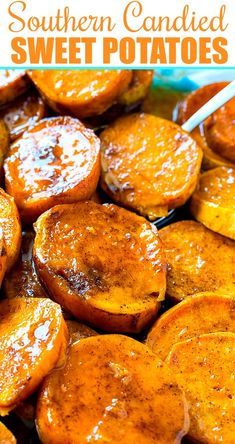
column 198, row 260
column 110, row 268
column 56, row 161
column 22, row 280
column 13, row 83
column 24, row 112
column 218, row 187
column 213, row 203
column 81, row 93
column 204, row 368
column 148, row 164
column 32, row 337
column 112, row 389
column 196, row 315
column 10, row 227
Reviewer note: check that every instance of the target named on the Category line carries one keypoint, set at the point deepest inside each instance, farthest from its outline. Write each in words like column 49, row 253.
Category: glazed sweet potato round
column 214, row 138
column 6, row 437
column 200, row 314
column 213, row 202
column 24, row 112
column 148, row 164
column 138, row 88
column 81, row 93
column 112, row 389
column 22, row 280
column 110, row 269
column 198, row 260
column 4, row 144
column 56, row 161
column 220, row 131
column 32, row 336
column 13, row 83
column 204, row 368
column 11, row 227
column 3, row 257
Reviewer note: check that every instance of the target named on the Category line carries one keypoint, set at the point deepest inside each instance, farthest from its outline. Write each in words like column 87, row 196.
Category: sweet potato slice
column 24, row 112
column 200, row 314
column 214, row 153
column 11, row 227
column 213, row 202
column 220, row 131
column 22, row 280
column 6, row 437
column 32, row 336
column 112, row 389
column 204, row 368
column 56, row 161
column 109, row 271
column 81, row 93
column 148, row 164
column 13, row 83
column 198, row 260
column 3, row 256
column 138, row 88
column 78, row 331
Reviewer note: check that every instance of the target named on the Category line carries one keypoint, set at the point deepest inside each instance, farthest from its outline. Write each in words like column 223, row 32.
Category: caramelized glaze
column 112, row 389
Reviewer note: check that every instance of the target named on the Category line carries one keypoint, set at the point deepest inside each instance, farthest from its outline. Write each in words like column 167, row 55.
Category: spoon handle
column 211, row 106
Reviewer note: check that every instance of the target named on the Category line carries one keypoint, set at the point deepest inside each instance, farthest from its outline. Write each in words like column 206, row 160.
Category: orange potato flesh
column 204, row 368
column 220, row 131
column 148, row 164
column 81, row 93
column 13, row 83
column 11, row 227
column 32, row 337
column 56, row 161
column 112, row 389
column 6, row 436
column 215, row 154
column 213, row 202
column 203, row 313
column 22, row 280
column 109, row 271
column 198, row 260
column 138, row 88
column 79, row 331
column 24, row 112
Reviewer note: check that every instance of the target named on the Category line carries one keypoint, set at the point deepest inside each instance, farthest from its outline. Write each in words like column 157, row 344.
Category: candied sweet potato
column 13, row 83
column 22, row 280
column 78, row 331
column 3, row 257
column 33, row 334
column 204, row 368
column 112, row 389
column 6, row 437
column 24, row 112
column 56, row 161
column 220, row 131
column 81, row 93
column 198, row 260
column 148, row 164
column 11, row 227
column 203, row 313
column 108, row 271
column 214, row 153
column 213, row 202
column 138, row 88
